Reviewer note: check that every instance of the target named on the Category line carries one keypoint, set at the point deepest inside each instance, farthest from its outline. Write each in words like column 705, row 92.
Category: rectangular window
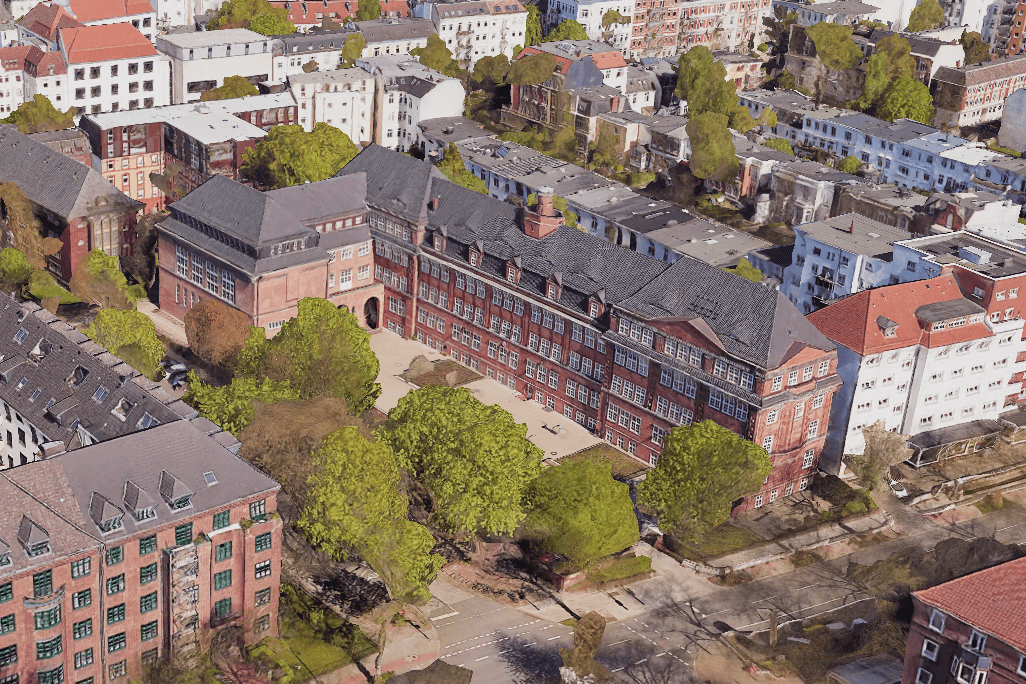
column 221, row 520
column 148, row 631
column 42, row 583
column 258, row 510
column 147, row 573
column 115, row 555
column 7, row 624
column 82, row 629
column 148, row 603
column 923, row 677
column 45, row 619
column 115, row 614
column 262, row 597
column 223, row 579
column 813, row 429
column 6, row 592
column 930, row 649
column 49, row 648
column 183, row 534
column 115, row 585
column 147, row 545
column 937, row 621
column 118, row 670
column 8, row 655
column 81, row 568
column 83, row 658
column 263, row 569
column 81, row 599
column 223, row 608
column 116, row 642
column 263, row 541
column 223, row 551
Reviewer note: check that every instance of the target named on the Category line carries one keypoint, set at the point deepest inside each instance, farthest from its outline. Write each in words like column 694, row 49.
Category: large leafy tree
column 927, row 15
column 532, row 69
column 533, row 34
column 703, row 469
column 435, row 55
column 778, row 28
column 568, row 29
column 21, row 228
column 780, row 145
column 368, row 9
column 883, row 450
column 231, row 406
column 849, row 164
column 100, row 280
column 130, row 335
column 453, row 168
column 288, row 155
column 234, row 86
column 14, row 268
column 891, row 60
column 355, row 505
column 322, row 352
column 351, row 51
column 269, row 20
column 701, row 82
column 216, row 332
column 491, row 70
column 474, row 460
column 580, row 511
column 39, row 115
column 271, row 25
column 906, row 98
column 976, row 50
column 712, row 147
column 834, row 45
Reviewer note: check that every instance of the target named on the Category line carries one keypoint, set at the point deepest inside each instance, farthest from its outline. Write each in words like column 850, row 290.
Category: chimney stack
column 851, row 229
column 542, row 220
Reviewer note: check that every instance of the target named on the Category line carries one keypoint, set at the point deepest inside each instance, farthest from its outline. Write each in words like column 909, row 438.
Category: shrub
column 621, row 568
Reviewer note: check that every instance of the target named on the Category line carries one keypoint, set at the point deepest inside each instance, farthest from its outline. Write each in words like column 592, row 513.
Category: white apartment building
column 590, row 15
column 292, row 53
column 113, row 67
column 844, row 12
column 394, row 35
column 343, row 98
column 201, row 61
column 172, row 13
column 475, row 29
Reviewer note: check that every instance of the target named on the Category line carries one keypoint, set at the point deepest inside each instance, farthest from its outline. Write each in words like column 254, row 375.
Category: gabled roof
column 984, row 72
column 397, row 183
column 312, row 202
column 993, row 601
column 30, row 533
column 46, row 63
column 98, row 10
column 104, row 43
column 45, row 20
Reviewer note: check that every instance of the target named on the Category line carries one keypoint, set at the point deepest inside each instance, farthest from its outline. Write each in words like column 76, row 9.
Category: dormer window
column 593, row 309
column 473, row 258
column 106, row 515
column 147, row 421
column 77, row 377
column 439, row 242
column 511, row 275
column 553, row 291
column 139, row 502
column 122, row 409
column 175, row 493
column 33, row 538
column 940, row 326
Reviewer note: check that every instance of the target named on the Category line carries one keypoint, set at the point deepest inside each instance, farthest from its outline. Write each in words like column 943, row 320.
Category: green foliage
column 745, row 270
column 114, row 329
column 351, row 51
column 849, row 164
column 762, row 47
column 834, row 45
column 41, row 285
column 906, row 98
column 234, row 86
column 453, row 168
column 703, row 469
column 367, row 10
column 231, row 406
column 491, row 70
column 712, row 147
column 701, row 82
column 580, row 511
column 780, row 144
column 288, row 155
column 621, row 568
column 100, row 280
column 435, row 55
column 474, row 459
column 269, row 20
column 14, row 267
column 532, row 69
column 533, row 35
column 891, row 60
column 355, row 504
column 927, row 15
column 322, row 352
column 39, row 115
column 976, row 50
column 778, row 27
column 568, row 29
column 20, row 223
column 613, row 17
column 785, row 81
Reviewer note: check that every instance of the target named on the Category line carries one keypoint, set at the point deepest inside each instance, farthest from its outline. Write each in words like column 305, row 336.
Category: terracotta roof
column 97, row 10
column 992, row 600
column 978, row 74
column 563, row 63
column 39, row 63
column 45, row 20
column 310, row 13
column 609, row 60
column 16, row 54
column 104, row 43
column 853, row 321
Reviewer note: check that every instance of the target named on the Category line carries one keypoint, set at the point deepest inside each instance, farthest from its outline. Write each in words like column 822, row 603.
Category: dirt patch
column 441, row 372
column 718, row 664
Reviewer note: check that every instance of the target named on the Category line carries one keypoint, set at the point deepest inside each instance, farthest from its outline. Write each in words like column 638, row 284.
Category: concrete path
column 166, row 325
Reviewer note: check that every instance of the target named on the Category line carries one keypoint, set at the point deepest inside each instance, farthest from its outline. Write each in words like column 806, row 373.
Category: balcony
column 825, row 279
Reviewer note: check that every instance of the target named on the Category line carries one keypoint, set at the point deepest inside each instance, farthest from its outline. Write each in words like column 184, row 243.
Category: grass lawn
column 718, row 541
column 621, row 568
column 443, row 368
column 623, row 466
column 307, row 655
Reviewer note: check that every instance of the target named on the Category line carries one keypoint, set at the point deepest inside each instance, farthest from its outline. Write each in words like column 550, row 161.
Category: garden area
column 443, row 372
column 623, row 466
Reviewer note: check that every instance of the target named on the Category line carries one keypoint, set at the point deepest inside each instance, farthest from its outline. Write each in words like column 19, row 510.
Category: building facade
column 976, row 93
column 592, row 15
column 343, row 98
column 733, row 26
column 475, row 29
column 201, row 61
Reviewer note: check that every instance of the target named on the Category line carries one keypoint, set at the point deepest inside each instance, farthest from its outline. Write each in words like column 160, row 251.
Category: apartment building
column 308, row 15
column 46, row 74
column 262, row 252
column 293, row 52
column 393, row 35
column 721, row 25
column 591, row 14
column 41, row 24
column 343, row 98
column 12, row 67
column 473, row 29
column 654, row 27
column 844, row 12
column 806, row 191
column 976, row 93
column 139, row 13
column 201, row 61
column 611, row 338
column 969, row 630
column 931, row 52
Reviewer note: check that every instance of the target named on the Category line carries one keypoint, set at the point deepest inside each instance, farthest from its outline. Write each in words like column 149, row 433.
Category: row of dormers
column 108, row 517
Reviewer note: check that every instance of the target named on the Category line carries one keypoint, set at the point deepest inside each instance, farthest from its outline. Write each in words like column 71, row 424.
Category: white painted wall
column 149, row 82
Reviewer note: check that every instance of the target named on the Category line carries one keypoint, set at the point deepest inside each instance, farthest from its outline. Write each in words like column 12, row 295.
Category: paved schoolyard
column 395, row 354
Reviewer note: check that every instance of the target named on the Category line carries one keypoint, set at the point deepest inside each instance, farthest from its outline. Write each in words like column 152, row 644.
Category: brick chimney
column 542, row 220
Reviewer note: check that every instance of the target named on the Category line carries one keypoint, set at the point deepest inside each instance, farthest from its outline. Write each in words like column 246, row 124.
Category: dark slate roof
column 945, row 311
column 396, row 183
column 417, row 87
column 753, row 322
column 68, row 351
column 984, row 72
column 379, row 30
column 312, row 202
column 54, row 181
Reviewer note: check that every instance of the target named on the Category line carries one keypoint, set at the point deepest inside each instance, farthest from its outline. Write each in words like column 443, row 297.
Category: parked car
column 898, row 489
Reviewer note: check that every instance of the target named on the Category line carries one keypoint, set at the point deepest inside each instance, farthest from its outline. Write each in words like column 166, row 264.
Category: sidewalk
column 405, row 651
column 166, row 325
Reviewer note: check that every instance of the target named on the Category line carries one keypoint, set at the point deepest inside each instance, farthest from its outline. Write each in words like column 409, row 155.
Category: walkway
column 166, row 325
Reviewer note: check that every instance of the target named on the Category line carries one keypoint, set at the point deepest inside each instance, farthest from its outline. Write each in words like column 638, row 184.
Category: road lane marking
column 558, row 636
column 619, row 642
column 481, row 658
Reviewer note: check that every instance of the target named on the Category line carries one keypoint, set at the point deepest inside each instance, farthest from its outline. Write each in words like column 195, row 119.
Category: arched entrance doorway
column 370, row 313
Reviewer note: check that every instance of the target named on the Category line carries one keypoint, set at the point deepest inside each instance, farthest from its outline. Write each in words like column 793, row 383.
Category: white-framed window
column 817, row 401
column 923, row 677
column 930, row 649
column 767, row 443
column 758, row 501
column 937, row 621
column 807, row 374
column 813, row 429
column 824, row 368
column 809, row 457
column 1022, row 666
column 771, row 417
column 778, row 382
column 792, row 378
column 977, row 641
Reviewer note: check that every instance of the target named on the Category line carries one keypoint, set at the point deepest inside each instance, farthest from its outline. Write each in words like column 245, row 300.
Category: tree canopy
column 613, row 17
column 744, row 269
column 129, row 335
column 98, row 279
column 533, row 34
column 580, row 511
column 712, row 147
column 703, row 469
column 14, row 268
column 701, row 82
column 322, row 352
column 568, row 29
column 849, row 164
column 272, row 24
column 883, row 450
column 475, row 460
column 234, row 86
column 780, row 145
column 21, row 228
column 532, row 69
column 834, row 45
column 491, row 70
column 256, row 15
column 453, row 168
column 976, row 50
column 435, row 55
column 906, row 98
column 38, row 115
column 927, row 15
column 351, row 51
column 367, row 10
column 288, row 155
column 778, row 27
column 891, row 60
column 231, row 406
column 216, row 332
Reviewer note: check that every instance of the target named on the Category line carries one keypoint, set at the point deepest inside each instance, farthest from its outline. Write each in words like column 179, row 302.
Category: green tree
column 435, row 55
column 778, row 28
column 241, row 14
column 322, row 352
column 216, row 332
column 271, row 25
column 745, row 270
column 906, row 98
column 712, row 147
column 43, row 287
column 234, row 86
column 785, row 81
column 533, row 34
column 703, row 469
column 834, row 45
column 532, row 69
column 891, row 60
column 129, row 334
column 613, row 17
column 883, row 450
column 99, row 279
column 927, row 15
column 452, row 166
column 351, row 51
column 367, row 10
column 701, row 82
column 580, row 511
column 491, row 70
column 849, row 164
column 288, row 155
column 38, row 115
column 568, row 29
column 231, row 406
column 475, row 460
column 21, row 228
column 14, row 268
column 780, row 145
column 741, row 119
column 976, row 50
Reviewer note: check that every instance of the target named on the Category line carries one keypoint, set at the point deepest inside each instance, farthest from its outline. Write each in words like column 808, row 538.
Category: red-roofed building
column 44, row 21
column 310, row 14
column 46, row 73
column 12, row 83
column 114, row 67
column 924, row 360
column 971, row 630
